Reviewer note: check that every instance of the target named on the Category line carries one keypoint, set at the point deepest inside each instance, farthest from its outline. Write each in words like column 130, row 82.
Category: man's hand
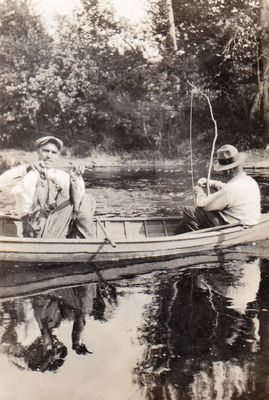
column 216, row 185
column 202, row 182
column 78, row 170
column 198, row 191
column 38, row 167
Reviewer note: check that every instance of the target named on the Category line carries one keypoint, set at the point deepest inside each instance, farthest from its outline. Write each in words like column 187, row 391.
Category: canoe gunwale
column 173, row 238
column 188, row 236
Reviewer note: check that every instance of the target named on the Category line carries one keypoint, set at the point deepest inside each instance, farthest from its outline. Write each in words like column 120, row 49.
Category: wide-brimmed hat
column 46, row 139
column 228, row 157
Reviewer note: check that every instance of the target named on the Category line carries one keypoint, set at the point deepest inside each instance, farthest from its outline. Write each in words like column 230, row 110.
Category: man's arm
column 12, row 176
column 217, row 185
column 214, row 202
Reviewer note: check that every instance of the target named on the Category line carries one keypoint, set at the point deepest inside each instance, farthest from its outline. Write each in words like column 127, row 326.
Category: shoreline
column 11, row 157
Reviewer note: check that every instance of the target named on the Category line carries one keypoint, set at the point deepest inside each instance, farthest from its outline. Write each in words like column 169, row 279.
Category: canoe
column 131, row 240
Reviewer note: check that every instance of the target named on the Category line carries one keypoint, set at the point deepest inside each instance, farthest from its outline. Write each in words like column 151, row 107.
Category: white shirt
column 238, row 200
column 22, row 184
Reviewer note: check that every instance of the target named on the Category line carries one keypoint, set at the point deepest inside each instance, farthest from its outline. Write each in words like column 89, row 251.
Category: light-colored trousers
column 62, row 222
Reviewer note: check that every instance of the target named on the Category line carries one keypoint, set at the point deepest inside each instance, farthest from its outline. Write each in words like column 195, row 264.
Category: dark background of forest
column 101, row 83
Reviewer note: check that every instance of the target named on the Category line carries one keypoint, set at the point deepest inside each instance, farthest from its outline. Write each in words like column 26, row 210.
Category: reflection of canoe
column 37, row 278
column 32, row 279
column 136, row 239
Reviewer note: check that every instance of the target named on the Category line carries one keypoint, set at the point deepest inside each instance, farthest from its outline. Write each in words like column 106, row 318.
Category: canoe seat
column 9, row 227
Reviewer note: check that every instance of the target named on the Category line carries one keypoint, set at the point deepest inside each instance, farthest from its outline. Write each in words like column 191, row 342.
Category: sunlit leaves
column 25, row 46
column 103, row 82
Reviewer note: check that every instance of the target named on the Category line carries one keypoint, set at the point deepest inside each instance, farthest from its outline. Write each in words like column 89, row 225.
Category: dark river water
column 160, row 332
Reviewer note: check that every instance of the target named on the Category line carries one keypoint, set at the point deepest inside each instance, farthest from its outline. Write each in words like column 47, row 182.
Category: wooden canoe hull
column 129, row 250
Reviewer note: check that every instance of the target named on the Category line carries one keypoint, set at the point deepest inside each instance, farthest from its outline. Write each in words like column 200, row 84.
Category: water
column 159, row 332
column 139, row 192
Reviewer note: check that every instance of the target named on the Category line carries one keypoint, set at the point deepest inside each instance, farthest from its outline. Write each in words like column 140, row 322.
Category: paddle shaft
column 111, row 241
column 217, row 228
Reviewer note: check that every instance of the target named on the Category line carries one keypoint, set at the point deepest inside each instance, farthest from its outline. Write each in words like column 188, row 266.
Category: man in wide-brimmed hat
column 49, row 200
column 237, row 201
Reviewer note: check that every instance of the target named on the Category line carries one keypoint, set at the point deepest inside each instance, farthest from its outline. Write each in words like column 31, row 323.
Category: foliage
column 103, row 83
column 25, row 46
column 218, row 47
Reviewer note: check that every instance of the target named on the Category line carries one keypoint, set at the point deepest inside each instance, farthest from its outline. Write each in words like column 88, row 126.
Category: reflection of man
column 205, row 328
column 48, row 199
column 236, row 288
column 233, row 292
column 237, row 201
column 30, row 338
column 72, row 304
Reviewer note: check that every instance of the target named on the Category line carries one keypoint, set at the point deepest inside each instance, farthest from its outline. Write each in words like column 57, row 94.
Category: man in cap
column 237, row 201
column 49, row 200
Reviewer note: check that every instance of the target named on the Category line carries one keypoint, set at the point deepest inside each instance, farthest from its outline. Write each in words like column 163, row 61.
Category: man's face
column 226, row 175
column 48, row 154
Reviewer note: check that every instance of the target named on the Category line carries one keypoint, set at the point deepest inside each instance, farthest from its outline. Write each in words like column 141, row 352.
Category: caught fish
column 77, row 189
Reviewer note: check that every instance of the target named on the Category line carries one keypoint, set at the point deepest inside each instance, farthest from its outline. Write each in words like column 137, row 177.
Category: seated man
column 237, row 201
column 48, row 200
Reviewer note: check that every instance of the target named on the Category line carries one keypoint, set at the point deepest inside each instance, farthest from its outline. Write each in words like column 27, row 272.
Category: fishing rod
column 195, row 90
column 191, row 152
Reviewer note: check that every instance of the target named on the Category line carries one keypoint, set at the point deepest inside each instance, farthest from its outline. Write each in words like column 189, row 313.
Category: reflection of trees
column 261, row 367
column 202, row 334
column 29, row 325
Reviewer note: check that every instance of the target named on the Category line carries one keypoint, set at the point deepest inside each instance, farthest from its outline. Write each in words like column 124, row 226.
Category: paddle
column 111, row 241
column 215, row 228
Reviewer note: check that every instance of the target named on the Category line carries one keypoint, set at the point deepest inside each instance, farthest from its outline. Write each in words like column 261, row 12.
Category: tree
column 91, row 90
column 264, row 56
column 217, row 50
column 172, row 30
column 25, row 46
column 101, row 82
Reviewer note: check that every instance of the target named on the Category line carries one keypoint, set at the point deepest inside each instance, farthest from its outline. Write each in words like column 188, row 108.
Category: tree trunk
column 172, row 30
column 264, row 24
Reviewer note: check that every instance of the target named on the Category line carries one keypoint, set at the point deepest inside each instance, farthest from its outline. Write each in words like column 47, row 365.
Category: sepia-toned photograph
column 134, row 193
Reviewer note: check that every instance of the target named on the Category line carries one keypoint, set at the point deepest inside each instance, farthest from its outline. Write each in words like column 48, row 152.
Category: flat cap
column 46, row 139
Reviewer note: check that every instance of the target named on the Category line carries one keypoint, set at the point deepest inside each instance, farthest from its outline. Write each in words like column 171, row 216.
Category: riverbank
column 11, row 157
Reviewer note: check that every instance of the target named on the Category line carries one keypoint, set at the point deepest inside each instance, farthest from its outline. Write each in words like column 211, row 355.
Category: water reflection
column 205, row 335
column 29, row 336
column 189, row 334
